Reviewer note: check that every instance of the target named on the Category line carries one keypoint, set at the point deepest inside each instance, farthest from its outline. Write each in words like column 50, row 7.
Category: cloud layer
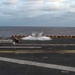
column 34, row 8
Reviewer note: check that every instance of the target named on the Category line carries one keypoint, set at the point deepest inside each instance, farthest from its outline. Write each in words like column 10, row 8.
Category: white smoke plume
column 34, row 36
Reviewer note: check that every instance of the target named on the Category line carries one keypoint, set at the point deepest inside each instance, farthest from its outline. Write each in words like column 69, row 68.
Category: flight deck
column 55, row 56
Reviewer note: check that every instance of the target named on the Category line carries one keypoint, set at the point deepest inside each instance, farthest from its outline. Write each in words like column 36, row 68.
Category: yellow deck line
column 36, row 51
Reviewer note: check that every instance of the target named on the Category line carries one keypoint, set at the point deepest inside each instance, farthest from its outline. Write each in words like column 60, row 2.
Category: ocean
column 14, row 30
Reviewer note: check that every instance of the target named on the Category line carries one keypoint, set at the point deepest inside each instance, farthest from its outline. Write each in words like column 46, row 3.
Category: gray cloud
column 37, row 12
column 33, row 8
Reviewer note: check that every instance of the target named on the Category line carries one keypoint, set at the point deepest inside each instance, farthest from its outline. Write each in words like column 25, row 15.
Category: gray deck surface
column 52, row 63
column 29, row 65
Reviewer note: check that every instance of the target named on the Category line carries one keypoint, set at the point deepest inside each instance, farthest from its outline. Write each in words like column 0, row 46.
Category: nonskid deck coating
column 38, row 64
column 20, row 69
column 59, row 58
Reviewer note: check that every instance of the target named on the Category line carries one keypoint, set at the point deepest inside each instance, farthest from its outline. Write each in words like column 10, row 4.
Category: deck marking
column 37, row 51
column 45, row 65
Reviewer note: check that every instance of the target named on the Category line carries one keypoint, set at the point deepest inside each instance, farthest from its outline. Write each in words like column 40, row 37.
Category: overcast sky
column 54, row 13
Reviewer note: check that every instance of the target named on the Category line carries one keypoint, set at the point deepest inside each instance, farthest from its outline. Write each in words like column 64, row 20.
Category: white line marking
column 45, row 65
